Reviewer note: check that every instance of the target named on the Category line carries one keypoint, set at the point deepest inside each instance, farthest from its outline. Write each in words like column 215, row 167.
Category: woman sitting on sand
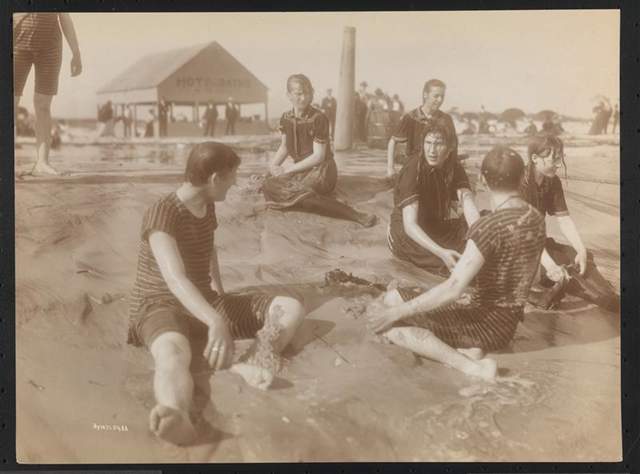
column 502, row 255
column 179, row 309
column 306, row 184
column 421, row 230
column 542, row 188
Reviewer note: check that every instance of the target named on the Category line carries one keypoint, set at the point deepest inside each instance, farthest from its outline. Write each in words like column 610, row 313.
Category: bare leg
column 330, row 207
column 285, row 315
column 42, row 105
column 173, row 389
column 425, row 343
column 393, row 298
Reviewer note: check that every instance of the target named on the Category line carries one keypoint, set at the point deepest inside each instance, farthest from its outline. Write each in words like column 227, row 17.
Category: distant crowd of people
column 156, row 122
column 602, row 114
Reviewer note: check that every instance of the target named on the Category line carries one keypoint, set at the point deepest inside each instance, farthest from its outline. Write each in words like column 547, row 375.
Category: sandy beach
column 83, row 395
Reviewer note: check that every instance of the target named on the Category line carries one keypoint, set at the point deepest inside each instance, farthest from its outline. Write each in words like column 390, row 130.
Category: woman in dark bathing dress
column 306, row 184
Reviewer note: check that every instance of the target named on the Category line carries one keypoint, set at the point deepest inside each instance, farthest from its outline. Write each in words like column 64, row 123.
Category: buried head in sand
column 502, row 254
column 179, row 308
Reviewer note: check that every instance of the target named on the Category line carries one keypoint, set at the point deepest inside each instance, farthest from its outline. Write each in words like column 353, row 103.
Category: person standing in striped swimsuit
column 179, row 309
column 502, row 254
column 37, row 42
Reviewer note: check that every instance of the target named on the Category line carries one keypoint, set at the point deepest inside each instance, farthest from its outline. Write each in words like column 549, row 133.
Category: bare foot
column 172, row 425
column 473, row 353
column 367, row 220
column 45, row 169
column 485, row 369
column 252, row 374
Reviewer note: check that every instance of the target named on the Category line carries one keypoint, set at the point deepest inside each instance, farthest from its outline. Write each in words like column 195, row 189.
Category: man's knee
column 171, row 350
column 288, row 310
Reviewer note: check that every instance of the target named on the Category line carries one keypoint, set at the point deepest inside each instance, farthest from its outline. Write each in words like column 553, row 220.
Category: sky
column 533, row 60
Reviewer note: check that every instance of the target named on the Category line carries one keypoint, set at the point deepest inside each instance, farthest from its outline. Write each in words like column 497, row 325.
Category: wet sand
column 83, row 395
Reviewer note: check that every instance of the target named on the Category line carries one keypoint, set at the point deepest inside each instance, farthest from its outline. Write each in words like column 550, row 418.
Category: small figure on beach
column 410, row 130
column 361, row 104
column 210, row 118
column 329, row 107
column 179, row 309
column 231, row 114
column 396, row 105
column 502, row 255
column 542, row 188
column 127, row 121
column 531, row 129
column 422, row 229
column 306, row 184
column 616, row 118
column 163, row 117
column 601, row 114
column 37, row 42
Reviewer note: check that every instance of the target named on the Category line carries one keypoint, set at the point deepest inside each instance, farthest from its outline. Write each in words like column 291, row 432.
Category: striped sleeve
column 320, row 128
column 281, row 126
column 407, row 191
column 162, row 216
column 486, row 235
column 557, row 205
column 401, row 133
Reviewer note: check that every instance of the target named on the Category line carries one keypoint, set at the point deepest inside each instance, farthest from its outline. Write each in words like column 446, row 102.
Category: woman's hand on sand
column 76, row 65
column 449, row 257
column 581, row 261
column 219, row 349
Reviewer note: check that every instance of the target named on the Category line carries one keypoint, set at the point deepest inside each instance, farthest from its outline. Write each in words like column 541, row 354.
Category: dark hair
column 448, row 167
column 208, row 158
column 433, row 127
column 503, row 169
column 543, row 144
column 300, row 79
column 431, row 83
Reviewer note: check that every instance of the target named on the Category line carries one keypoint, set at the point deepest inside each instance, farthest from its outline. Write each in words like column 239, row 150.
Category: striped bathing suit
column 511, row 241
column 154, row 309
column 37, row 41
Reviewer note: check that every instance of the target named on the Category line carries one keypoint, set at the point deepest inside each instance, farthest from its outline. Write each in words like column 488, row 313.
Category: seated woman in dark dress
column 542, row 188
column 422, row 230
column 307, row 183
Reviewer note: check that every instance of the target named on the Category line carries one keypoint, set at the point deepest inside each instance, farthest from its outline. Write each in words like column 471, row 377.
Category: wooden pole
column 346, row 89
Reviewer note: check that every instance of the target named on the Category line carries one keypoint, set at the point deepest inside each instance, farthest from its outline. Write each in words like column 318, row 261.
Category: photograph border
column 629, row 229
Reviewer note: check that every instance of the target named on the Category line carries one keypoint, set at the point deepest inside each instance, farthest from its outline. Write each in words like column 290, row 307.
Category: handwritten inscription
column 100, row 427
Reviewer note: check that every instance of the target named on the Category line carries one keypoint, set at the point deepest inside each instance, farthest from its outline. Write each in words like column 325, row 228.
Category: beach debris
column 286, row 420
column 106, row 298
column 38, row 386
column 87, row 308
column 340, row 277
column 337, row 362
column 253, row 185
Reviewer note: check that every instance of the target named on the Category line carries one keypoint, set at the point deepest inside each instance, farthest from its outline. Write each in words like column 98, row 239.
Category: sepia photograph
column 317, row 236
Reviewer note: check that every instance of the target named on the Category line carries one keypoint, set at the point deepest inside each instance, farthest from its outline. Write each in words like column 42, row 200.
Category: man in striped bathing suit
column 502, row 254
column 179, row 309
column 37, row 42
